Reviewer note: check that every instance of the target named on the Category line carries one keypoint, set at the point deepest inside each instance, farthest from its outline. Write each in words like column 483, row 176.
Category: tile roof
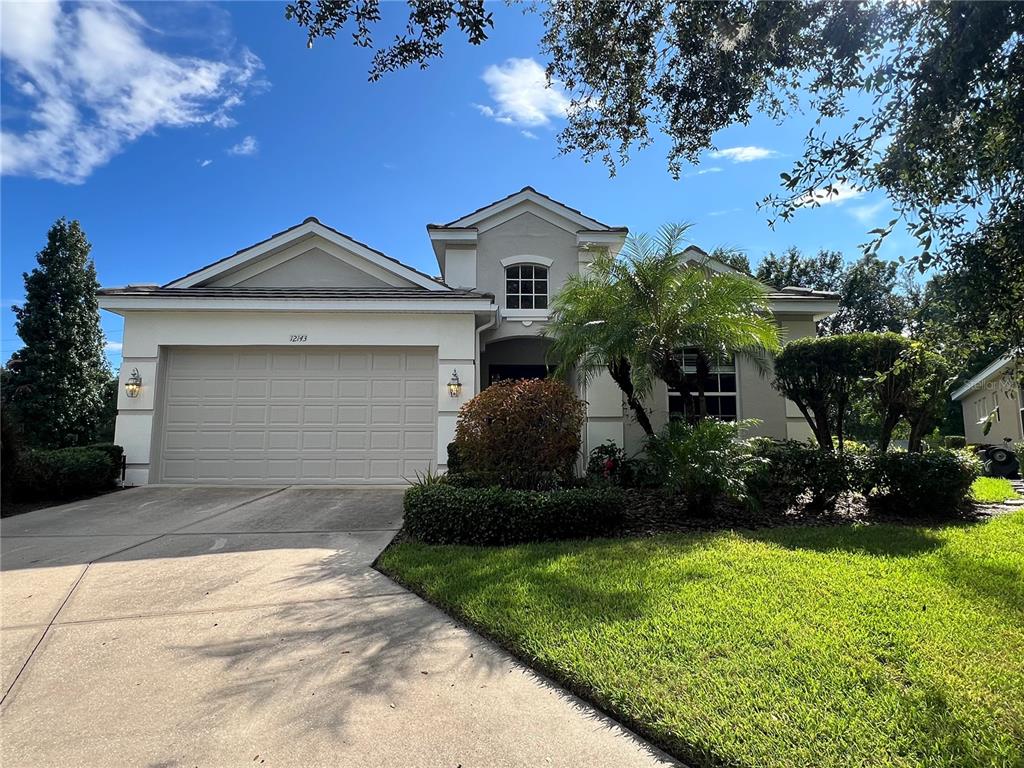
column 307, row 220
column 519, row 192
column 326, row 293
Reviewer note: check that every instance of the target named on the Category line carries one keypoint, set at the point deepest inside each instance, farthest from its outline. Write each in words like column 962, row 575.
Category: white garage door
column 324, row 415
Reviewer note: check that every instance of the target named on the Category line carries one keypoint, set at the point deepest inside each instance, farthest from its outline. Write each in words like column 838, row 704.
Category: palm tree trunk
column 620, row 373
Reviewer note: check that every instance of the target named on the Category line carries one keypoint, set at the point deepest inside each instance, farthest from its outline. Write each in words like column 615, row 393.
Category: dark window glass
column 540, row 302
column 512, row 302
column 526, row 302
column 513, row 286
column 727, row 382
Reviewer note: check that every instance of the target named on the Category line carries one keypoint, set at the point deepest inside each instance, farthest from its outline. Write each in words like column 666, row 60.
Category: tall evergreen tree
column 57, row 379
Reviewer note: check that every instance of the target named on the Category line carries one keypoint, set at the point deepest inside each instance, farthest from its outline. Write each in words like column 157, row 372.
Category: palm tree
column 634, row 315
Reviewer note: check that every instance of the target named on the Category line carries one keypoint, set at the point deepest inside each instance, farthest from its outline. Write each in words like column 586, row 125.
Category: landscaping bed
column 849, row 645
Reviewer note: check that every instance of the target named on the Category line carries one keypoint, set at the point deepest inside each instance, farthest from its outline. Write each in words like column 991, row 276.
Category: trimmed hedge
column 800, row 472
column 933, row 484
column 441, row 513
column 66, row 473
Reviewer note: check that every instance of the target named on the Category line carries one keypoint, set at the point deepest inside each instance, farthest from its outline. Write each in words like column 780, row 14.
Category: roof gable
column 527, row 199
column 295, row 241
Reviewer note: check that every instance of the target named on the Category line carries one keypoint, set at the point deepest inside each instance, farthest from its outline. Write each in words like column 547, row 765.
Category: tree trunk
column 703, row 371
column 620, row 373
column 889, row 422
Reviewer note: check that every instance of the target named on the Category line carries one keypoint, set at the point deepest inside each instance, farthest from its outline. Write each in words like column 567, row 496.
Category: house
column 311, row 357
column 994, row 392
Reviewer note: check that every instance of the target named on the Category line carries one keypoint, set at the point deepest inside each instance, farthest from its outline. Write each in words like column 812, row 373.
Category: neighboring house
column 310, row 357
column 995, row 393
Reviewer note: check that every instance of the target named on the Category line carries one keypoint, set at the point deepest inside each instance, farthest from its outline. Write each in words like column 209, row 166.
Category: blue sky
column 179, row 133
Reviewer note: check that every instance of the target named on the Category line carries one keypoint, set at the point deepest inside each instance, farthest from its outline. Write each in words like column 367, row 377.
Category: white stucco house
column 993, row 395
column 311, row 357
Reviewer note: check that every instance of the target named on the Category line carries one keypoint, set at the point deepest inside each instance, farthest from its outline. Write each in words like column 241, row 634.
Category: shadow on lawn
column 884, row 541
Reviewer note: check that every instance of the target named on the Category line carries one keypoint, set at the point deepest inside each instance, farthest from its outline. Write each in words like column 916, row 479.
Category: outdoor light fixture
column 133, row 386
column 454, row 385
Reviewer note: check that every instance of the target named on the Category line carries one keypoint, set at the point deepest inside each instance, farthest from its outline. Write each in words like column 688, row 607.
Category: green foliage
column 955, row 441
column 57, row 380
column 820, row 376
column 822, row 272
column 887, row 646
column 65, row 473
column 929, row 484
column 608, row 462
column 868, row 299
column 421, row 41
column 993, row 490
column 793, row 474
column 526, row 431
column 634, row 315
column 445, row 514
column 703, row 461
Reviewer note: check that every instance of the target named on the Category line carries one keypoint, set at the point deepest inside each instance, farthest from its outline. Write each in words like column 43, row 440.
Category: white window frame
column 521, row 311
column 717, row 371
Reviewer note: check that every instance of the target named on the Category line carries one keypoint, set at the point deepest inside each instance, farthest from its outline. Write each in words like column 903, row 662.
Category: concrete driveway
column 169, row 626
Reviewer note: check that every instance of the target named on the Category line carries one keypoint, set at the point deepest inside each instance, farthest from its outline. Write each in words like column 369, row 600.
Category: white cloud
column 112, row 346
column 837, row 193
column 89, row 84
column 521, row 94
column 247, row 146
column 204, row 163
column 724, row 212
column 702, row 171
column 529, row 134
column 745, row 154
column 866, row 214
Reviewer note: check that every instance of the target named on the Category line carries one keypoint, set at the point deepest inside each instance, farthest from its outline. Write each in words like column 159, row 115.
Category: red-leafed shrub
column 526, row 433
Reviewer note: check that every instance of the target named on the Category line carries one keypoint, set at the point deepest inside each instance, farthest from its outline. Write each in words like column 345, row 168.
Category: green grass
column 992, row 490
column 846, row 646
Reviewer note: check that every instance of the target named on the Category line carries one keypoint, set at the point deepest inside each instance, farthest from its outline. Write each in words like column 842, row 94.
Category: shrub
column 955, row 441
column 609, row 464
column 702, row 461
column 936, row 483
column 446, row 514
column 527, row 431
column 65, row 473
column 792, row 473
column 821, row 374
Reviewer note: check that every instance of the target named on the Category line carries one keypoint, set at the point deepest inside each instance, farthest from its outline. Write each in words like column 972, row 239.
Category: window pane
column 540, row 302
column 540, row 286
column 512, row 302
column 512, row 286
column 541, row 273
column 728, row 406
column 711, row 384
column 526, row 271
column 713, row 406
column 512, row 272
column 727, row 382
column 526, row 303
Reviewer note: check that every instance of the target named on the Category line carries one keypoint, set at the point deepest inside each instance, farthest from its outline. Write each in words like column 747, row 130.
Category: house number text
column 298, row 337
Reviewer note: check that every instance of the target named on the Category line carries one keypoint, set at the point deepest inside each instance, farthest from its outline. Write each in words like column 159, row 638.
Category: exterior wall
column 314, row 268
column 978, row 403
column 524, row 235
column 146, row 333
column 757, row 399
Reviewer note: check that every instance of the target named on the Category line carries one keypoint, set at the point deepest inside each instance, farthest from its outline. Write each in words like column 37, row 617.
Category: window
column 719, row 389
column 526, row 287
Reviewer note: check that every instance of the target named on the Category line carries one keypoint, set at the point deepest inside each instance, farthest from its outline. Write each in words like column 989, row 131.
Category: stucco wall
column 979, row 403
column 524, row 235
column 315, row 267
column 147, row 332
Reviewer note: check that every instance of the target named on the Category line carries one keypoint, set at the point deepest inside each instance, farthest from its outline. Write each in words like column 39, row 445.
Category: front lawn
column 815, row 646
column 992, row 490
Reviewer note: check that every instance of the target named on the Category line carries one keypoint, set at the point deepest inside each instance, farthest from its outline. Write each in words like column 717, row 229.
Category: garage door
column 326, row 415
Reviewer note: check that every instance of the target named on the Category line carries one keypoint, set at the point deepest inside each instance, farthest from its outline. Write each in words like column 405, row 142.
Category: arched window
column 526, row 286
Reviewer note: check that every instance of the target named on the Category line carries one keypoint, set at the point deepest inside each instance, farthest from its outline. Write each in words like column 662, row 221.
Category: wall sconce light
column 454, row 385
column 133, row 386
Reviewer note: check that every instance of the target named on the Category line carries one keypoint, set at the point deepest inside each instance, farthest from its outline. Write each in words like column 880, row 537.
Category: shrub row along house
column 310, row 357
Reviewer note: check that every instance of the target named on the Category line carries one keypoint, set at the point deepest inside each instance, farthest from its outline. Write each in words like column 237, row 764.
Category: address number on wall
column 298, row 338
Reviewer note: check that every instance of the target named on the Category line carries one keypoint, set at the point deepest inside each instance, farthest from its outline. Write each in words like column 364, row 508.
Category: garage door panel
column 312, row 416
